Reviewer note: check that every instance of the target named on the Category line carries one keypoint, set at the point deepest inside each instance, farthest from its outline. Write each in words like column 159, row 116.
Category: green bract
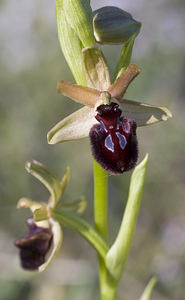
column 75, row 31
column 125, row 56
column 69, row 41
column 79, row 16
column 118, row 253
column 148, row 290
column 78, row 124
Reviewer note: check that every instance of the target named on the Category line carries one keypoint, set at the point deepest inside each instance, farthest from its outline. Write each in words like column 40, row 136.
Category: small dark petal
column 114, row 141
column 34, row 246
column 108, row 113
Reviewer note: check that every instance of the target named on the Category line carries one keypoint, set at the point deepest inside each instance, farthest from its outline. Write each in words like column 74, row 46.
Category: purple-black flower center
column 113, row 140
column 34, row 246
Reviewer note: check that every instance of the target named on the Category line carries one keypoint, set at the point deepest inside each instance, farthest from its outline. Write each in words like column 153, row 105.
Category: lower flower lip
column 113, row 140
column 34, row 246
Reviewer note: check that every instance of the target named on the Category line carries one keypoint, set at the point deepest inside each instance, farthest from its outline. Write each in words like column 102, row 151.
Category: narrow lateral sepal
column 144, row 114
column 75, row 126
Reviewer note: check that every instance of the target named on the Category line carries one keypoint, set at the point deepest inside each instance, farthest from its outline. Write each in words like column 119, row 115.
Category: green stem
column 107, row 286
column 100, row 200
column 84, row 228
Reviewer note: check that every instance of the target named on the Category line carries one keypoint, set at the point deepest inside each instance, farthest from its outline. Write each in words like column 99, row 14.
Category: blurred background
column 31, row 64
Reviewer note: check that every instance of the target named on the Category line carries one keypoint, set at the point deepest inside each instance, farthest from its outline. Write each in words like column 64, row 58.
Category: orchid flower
column 39, row 247
column 99, row 92
column 41, row 244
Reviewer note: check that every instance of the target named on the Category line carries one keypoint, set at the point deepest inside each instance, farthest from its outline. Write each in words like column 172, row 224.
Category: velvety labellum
column 113, row 140
column 34, row 246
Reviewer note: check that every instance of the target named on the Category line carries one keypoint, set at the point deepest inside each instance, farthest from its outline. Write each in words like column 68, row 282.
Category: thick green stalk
column 107, row 286
column 100, row 200
column 100, row 213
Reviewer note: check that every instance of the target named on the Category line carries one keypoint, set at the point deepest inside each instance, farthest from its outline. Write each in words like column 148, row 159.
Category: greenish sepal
column 49, row 180
column 83, row 228
column 148, row 290
column 78, row 124
column 56, row 244
column 95, row 68
column 125, row 56
column 75, row 126
column 70, row 44
column 118, row 253
column 113, row 25
column 77, row 206
column 79, row 16
column 144, row 114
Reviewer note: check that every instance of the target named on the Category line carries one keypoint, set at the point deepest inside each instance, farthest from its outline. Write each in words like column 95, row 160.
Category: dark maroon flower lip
column 34, row 246
column 113, row 141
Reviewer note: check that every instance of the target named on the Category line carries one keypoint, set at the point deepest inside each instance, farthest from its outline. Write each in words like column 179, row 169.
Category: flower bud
column 113, row 25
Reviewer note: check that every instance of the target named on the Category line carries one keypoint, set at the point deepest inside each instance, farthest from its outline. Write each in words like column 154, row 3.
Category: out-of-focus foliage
column 31, row 64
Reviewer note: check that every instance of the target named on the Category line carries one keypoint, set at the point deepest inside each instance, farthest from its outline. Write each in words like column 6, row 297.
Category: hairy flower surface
column 34, row 246
column 113, row 140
